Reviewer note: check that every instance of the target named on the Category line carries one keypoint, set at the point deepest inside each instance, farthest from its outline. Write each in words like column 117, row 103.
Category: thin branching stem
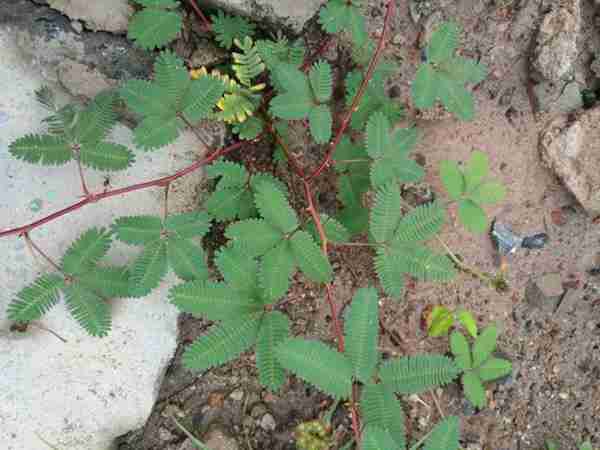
column 356, row 244
column 48, row 330
column 98, row 196
column 461, row 265
column 166, row 202
column 206, row 24
column 40, row 252
column 84, row 187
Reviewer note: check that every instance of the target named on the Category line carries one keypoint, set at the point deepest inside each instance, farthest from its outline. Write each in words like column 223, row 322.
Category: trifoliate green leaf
column 474, row 389
column 461, row 350
column 493, row 369
column 484, row 345
column 472, row 216
column 452, row 179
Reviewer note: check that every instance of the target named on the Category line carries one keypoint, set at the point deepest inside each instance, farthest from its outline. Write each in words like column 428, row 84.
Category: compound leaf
column 275, row 328
column 361, row 328
column 88, row 308
column 86, row 251
column 452, row 179
column 474, row 389
column 472, row 216
column 421, row 223
column 201, row 98
column 276, row 268
column 137, row 230
column 194, row 224
column 274, row 208
column 386, row 212
column 321, row 81
column 153, row 28
column 145, row 98
column 484, row 345
column 445, row 435
column 36, row 299
column 415, row 374
column 254, row 236
column 320, row 121
column 494, row 368
column 108, row 282
column 187, row 260
column 461, row 350
column 317, row 364
column 46, row 149
column 154, row 132
column 311, row 261
column 223, row 343
column 149, row 268
column 106, row 156
column 380, row 407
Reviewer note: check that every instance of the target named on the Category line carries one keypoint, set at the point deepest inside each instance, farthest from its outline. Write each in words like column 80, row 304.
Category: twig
column 41, row 252
column 166, row 204
column 437, row 403
column 42, row 327
column 194, row 130
column 462, row 265
column 205, row 22
column 84, row 187
column 96, row 197
column 327, row 41
column 391, row 7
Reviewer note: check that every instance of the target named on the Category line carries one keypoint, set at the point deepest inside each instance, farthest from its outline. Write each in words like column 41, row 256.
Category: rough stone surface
column 81, row 394
column 107, row 15
column 556, row 50
column 290, row 13
column 545, row 292
column 561, row 99
column 571, row 151
column 80, row 79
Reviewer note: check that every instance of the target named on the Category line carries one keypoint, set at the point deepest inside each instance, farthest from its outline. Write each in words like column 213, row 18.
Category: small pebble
column 268, row 423
column 237, row 395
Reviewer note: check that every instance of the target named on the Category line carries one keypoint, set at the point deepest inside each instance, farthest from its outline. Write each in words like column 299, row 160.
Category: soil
column 554, row 391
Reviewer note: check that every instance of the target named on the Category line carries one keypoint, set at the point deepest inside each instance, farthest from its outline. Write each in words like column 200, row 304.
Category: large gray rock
column 570, row 149
column 81, row 394
column 105, row 15
column 290, row 13
column 556, row 49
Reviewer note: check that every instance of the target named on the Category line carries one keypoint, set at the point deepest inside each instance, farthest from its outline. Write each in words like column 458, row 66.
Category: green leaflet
column 203, row 95
column 310, row 259
column 493, row 369
column 317, row 364
column 186, row 259
column 154, row 132
column 239, row 270
column 386, row 212
column 461, row 351
column 36, row 299
column 229, row 28
column 254, row 236
column 351, row 188
column 321, row 122
column 414, row 374
column 194, row 224
column 108, row 282
column 484, row 345
column 106, row 156
column 443, row 42
column 321, row 81
column 248, row 64
column 231, row 175
column 96, row 120
column 274, row 208
column 452, row 179
column 424, row 264
column 223, row 343
column 380, row 408
column 149, row 268
column 476, row 169
column 86, row 251
column 467, row 320
column 276, row 268
column 227, row 204
column 378, row 135
column 153, row 28
column 275, row 328
column 341, row 15
column 375, row 438
column 425, row 90
column 137, row 230
column 334, row 230
column 215, row 301
column 361, row 329
column 472, row 216
column 473, row 389
column 441, row 320
column 46, row 150
column 250, row 129
column 390, row 269
column 89, row 309
column 422, row 223
column 445, row 435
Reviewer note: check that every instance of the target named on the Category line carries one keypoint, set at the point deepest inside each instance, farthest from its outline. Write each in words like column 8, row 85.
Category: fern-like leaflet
column 156, row 24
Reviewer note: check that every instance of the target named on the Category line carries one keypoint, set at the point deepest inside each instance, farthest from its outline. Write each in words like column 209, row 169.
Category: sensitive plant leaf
column 89, row 309
column 137, row 230
column 106, row 156
column 249, row 129
column 229, row 28
column 263, row 177
column 476, row 169
column 349, row 151
column 145, row 98
column 472, row 216
column 162, row 4
column 201, row 98
column 461, row 350
column 452, row 179
column 293, row 80
column 467, row 320
column 317, row 364
column 254, row 236
column 227, row 204
column 311, row 261
column 231, row 175
column 148, row 269
column 488, row 193
column 187, row 260
column 291, row 106
column 321, row 81
column 155, row 131
column 86, row 251
column 380, row 408
column 277, row 266
column 341, row 15
column 213, row 301
column 474, row 389
column 493, row 369
column 456, row 98
column 401, row 170
column 386, row 212
column 445, row 435
column 239, row 270
column 96, row 120
column 108, row 282
column 484, row 345
column 390, row 270
column 415, row 374
column 274, row 207
column 440, row 321
column 443, row 42
column 378, row 135
column 586, row 446
column 45, row 149
column 153, row 28
column 361, row 329
column 425, row 89
column 334, row 230
column 320, row 121
column 171, row 77
column 274, row 329
column 426, row 265
column 464, row 70
column 223, row 343
column 33, row 301
column 422, row 223
column 375, row 438
column 194, row 224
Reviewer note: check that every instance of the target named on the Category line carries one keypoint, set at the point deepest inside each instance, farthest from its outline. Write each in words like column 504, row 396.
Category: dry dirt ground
column 554, row 391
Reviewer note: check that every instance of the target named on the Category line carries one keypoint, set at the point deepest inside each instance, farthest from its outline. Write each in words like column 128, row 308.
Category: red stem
column 391, row 8
column 98, row 196
column 319, row 52
column 205, row 22
column 84, row 187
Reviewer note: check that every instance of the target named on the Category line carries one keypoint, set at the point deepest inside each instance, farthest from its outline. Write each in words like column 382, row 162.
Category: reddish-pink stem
column 391, row 8
column 318, row 53
column 205, row 22
column 98, row 196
